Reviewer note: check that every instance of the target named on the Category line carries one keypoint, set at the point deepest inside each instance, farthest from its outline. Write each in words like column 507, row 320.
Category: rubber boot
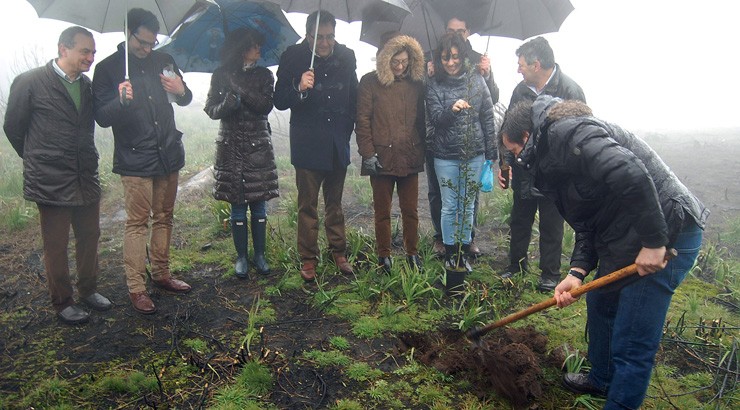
column 259, row 237
column 239, row 233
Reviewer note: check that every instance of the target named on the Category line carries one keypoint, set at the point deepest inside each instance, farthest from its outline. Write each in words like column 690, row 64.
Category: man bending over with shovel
column 626, row 206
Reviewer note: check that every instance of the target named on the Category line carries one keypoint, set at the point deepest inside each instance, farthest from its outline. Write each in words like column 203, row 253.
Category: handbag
column 486, row 176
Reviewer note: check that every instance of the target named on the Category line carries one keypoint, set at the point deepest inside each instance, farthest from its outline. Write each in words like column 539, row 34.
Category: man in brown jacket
column 49, row 122
column 390, row 137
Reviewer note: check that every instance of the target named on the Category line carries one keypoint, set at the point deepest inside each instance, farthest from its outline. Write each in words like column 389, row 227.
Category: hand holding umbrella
column 125, row 93
column 307, row 80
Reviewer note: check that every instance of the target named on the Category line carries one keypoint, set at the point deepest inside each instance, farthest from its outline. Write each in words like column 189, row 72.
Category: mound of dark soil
column 508, row 361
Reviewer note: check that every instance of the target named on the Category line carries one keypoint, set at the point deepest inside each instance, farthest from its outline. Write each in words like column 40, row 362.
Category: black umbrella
column 349, row 10
column 505, row 18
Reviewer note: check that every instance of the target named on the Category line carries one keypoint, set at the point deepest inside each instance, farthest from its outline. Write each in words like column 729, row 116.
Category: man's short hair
column 325, row 18
column 142, row 18
column 537, row 49
column 67, row 38
column 517, row 120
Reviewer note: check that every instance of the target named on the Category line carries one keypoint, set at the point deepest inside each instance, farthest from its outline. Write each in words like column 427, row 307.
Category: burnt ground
column 217, row 309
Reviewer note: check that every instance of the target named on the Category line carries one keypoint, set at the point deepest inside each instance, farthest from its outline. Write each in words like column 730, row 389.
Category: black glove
column 372, row 165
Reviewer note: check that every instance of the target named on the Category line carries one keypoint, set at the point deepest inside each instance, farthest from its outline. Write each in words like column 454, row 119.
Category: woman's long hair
column 237, row 43
column 445, row 45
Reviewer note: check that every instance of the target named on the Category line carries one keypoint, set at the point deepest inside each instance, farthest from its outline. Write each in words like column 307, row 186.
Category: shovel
column 475, row 334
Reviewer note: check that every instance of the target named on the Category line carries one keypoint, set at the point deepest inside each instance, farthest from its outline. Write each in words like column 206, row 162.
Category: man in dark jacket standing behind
column 148, row 150
column 49, row 122
column 541, row 75
column 322, row 104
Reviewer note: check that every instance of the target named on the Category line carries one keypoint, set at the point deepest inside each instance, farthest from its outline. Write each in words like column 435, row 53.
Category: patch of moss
column 326, row 359
column 361, row 371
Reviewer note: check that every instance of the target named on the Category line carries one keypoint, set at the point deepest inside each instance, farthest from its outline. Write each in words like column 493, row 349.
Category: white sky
column 645, row 64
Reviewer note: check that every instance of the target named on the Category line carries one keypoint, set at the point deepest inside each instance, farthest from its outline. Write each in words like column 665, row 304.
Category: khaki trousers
column 145, row 198
column 408, row 198
column 309, row 182
column 55, row 223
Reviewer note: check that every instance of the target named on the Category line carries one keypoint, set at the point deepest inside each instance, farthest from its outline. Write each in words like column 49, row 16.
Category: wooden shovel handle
column 594, row 284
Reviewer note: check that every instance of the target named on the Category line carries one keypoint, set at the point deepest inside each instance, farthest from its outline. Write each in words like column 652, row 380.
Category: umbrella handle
column 124, row 94
column 315, row 33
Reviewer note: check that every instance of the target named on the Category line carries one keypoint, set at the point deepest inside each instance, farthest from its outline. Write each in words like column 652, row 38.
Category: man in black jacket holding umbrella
column 322, row 101
column 148, row 151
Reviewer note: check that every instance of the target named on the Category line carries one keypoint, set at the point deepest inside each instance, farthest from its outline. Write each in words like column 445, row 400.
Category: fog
column 647, row 65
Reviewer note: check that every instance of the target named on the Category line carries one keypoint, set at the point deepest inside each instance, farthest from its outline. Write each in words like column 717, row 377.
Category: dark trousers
column 435, row 200
column 408, row 200
column 309, row 182
column 551, row 235
column 55, row 223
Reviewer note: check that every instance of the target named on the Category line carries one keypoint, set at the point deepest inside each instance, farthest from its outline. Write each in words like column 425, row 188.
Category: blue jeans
column 239, row 211
column 625, row 326
column 458, row 208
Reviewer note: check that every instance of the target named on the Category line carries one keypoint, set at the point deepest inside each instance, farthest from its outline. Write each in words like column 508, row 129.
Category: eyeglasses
column 146, row 44
column 402, row 63
column 460, row 31
column 328, row 38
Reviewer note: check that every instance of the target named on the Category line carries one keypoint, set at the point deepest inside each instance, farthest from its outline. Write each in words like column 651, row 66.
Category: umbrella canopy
column 523, row 19
column 506, row 18
column 106, row 16
column 197, row 44
column 350, row 10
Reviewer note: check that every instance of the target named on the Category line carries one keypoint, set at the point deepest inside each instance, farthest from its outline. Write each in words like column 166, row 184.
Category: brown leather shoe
column 438, row 248
column 172, row 285
column 308, row 270
column 142, row 303
column 474, row 250
column 343, row 264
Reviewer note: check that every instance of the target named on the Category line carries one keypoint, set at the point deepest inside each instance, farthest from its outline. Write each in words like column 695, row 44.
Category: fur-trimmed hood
column 416, row 69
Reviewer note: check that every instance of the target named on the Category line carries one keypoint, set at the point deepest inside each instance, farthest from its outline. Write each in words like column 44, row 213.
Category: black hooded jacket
column 147, row 143
column 609, row 185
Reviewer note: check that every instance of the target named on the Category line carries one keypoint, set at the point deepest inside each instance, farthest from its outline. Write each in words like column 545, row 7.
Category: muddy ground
column 32, row 337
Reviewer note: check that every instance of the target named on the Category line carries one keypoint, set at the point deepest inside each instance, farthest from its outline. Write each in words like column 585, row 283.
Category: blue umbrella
column 196, row 46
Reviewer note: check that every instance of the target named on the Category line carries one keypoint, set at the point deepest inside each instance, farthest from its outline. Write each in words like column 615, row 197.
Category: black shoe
column 385, row 264
column 73, row 315
column 97, row 301
column 581, row 384
column 414, row 262
column 512, row 270
column 506, row 275
column 547, row 284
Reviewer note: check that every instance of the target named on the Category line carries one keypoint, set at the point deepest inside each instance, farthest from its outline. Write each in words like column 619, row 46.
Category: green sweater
column 74, row 91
